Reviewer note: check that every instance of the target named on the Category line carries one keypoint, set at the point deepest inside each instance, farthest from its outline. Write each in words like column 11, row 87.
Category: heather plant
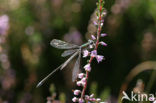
column 90, row 50
column 7, row 74
column 91, row 53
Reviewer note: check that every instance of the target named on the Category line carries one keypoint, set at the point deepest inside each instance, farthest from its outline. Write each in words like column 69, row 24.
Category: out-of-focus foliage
column 28, row 26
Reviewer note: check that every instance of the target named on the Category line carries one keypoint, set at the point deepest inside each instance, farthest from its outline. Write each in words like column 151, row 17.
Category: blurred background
column 26, row 57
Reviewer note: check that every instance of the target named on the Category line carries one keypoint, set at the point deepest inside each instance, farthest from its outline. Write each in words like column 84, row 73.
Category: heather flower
column 81, row 75
column 77, row 92
column 101, row 24
column 103, row 43
column 92, row 99
column 103, row 34
column 87, row 67
column 99, row 58
column 85, row 53
column 74, row 99
column 91, row 96
column 83, row 83
column 151, row 99
column 95, row 23
column 79, row 83
column 87, row 97
column 98, row 99
column 4, row 24
column 93, row 37
column 83, row 79
column 81, row 100
column 93, row 53
column 102, row 21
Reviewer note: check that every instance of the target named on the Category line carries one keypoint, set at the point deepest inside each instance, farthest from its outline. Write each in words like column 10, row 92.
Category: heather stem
column 96, row 46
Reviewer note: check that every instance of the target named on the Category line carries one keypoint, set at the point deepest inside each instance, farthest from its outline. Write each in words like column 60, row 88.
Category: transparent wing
column 68, row 60
column 68, row 52
column 62, row 45
column 76, row 68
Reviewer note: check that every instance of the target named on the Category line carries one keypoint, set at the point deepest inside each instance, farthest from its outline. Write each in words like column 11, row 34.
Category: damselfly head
column 90, row 41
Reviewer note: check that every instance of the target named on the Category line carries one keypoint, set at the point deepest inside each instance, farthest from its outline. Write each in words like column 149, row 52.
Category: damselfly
column 70, row 49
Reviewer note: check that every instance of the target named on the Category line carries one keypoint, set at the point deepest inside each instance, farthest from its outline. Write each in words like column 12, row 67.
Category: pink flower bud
column 83, row 84
column 81, row 100
column 92, row 99
column 81, row 75
column 151, row 98
column 85, row 53
column 79, row 83
column 98, row 99
column 102, row 20
column 103, row 43
column 99, row 58
column 83, row 79
column 101, row 24
column 92, row 95
column 74, row 99
column 103, row 34
column 93, row 37
column 77, row 92
column 95, row 23
column 93, row 53
column 87, row 67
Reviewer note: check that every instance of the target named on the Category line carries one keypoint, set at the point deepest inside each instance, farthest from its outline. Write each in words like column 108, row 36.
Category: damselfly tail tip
column 39, row 84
